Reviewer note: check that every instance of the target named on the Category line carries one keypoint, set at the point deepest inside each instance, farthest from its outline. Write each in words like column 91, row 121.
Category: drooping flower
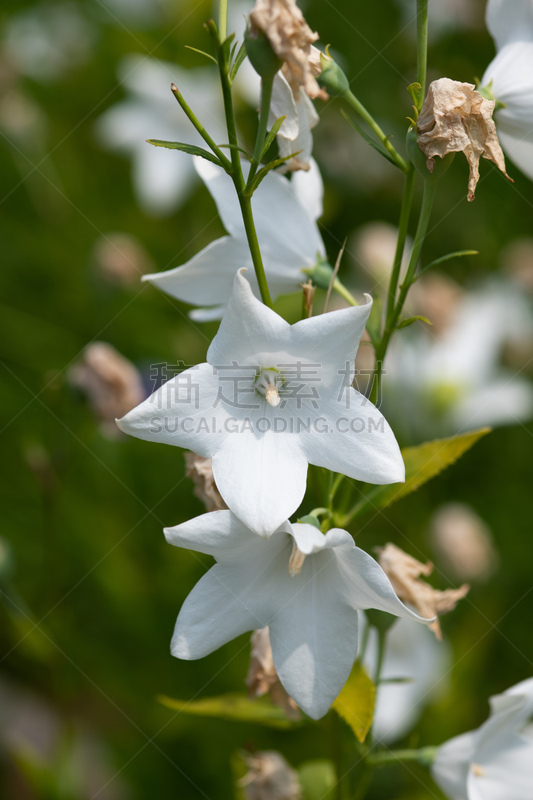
column 305, row 586
column 493, row 761
column 285, row 215
column 200, row 470
column 271, row 398
column 509, row 78
column 455, row 118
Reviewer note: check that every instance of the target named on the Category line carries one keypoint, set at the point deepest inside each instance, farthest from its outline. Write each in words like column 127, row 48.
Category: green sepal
column 321, row 274
column 191, row 149
column 260, row 53
column 332, row 78
column 273, row 132
column 233, row 706
column 410, row 320
column 310, row 519
column 355, row 704
column 318, row 779
column 373, row 324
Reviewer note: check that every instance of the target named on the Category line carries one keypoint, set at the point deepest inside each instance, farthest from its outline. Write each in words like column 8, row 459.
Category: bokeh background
column 89, row 588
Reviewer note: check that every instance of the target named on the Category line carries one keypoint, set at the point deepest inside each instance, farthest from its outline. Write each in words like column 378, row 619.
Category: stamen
column 267, row 383
column 272, row 395
column 478, row 771
column 296, row 561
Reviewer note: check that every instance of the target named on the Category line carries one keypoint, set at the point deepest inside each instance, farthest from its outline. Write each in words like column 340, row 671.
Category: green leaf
column 277, row 162
column 202, row 53
column 273, row 132
column 355, row 704
column 361, row 131
column 421, row 464
column 192, row 149
column 233, row 706
column 241, row 55
column 448, row 257
column 415, row 90
column 409, row 321
column 373, row 325
column 318, row 779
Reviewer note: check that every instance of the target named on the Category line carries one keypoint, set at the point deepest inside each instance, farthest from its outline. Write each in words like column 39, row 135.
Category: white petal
column 506, row 773
column 310, row 540
column 508, row 22
column 353, row 437
column 261, row 476
column 451, row 765
column 510, row 79
column 208, row 277
column 183, row 412
column 233, row 597
column 247, row 329
column 207, row 314
column 283, row 105
column 219, row 534
column 223, row 193
column 309, row 189
column 314, row 636
column 520, row 151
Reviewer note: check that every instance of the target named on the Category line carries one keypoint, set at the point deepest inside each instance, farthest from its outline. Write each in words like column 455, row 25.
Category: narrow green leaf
column 192, row 149
column 448, row 257
column 277, row 162
column 273, row 132
column 239, row 58
column 409, row 321
column 415, row 90
column 355, row 704
column 235, row 147
column 202, row 53
column 422, row 463
column 318, row 779
column 232, row 706
column 361, row 131
column 373, row 325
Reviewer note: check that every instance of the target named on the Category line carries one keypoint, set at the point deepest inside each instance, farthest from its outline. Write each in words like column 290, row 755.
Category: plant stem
column 266, row 97
column 405, row 213
column 422, row 48
column 200, row 128
column 356, row 104
column 344, row 292
column 223, row 19
column 424, row 756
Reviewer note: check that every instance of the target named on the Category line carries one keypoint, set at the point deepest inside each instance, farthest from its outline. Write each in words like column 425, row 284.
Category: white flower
column 455, row 381
column 272, row 398
column 509, row 77
column 162, row 178
column 414, row 668
column 295, row 135
column 493, row 761
column 310, row 610
column 285, row 215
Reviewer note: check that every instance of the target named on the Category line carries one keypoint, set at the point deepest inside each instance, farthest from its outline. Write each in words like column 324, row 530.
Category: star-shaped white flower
column 509, row 77
column 493, row 761
column 162, row 178
column 285, row 214
column 305, row 586
column 271, row 398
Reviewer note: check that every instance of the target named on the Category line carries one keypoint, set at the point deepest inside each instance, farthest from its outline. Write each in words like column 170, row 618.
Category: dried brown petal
column 270, row 777
column 199, row 469
column 291, row 38
column 404, row 573
column 309, row 293
column 455, row 118
column 262, row 677
column 111, row 382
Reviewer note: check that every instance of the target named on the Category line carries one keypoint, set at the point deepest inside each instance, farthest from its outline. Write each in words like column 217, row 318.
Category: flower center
column 268, row 382
column 296, row 561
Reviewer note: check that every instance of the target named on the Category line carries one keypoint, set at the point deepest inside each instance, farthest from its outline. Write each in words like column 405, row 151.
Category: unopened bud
column 332, row 78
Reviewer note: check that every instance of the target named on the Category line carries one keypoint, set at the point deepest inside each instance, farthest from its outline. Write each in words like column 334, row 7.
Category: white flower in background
column 305, row 586
column 509, row 77
column 455, row 381
column 415, row 668
column 495, row 760
column 162, row 178
column 47, row 41
column 285, row 216
column 272, row 398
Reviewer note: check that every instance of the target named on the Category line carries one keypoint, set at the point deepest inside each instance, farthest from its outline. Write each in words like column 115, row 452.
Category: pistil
column 296, row 561
column 267, row 383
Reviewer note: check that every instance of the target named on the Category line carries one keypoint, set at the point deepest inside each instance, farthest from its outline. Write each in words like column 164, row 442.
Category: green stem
column 422, row 48
column 405, row 213
column 223, row 19
column 424, row 756
column 344, row 292
column 373, row 125
column 251, row 235
column 200, row 128
column 266, row 97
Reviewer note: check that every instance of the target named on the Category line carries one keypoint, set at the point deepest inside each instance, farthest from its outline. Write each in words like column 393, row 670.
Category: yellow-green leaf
column 355, row 704
column 422, row 463
column 232, row 706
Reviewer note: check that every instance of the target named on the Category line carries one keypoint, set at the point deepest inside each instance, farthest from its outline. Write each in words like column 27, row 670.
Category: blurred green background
column 90, row 589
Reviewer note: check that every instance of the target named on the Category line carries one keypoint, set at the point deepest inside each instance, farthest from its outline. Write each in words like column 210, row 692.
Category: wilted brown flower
column 455, row 118
column 291, row 38
column 262, row 677
column 404, row 573
column 121, row 259
column 463, row 542
column 270, row 777
column 111, row 382
column 199, row 469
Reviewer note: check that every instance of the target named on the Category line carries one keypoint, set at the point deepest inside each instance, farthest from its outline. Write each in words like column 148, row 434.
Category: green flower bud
column 321, row 274
column 332, row 78
column 259, row 50
column 420, row 161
